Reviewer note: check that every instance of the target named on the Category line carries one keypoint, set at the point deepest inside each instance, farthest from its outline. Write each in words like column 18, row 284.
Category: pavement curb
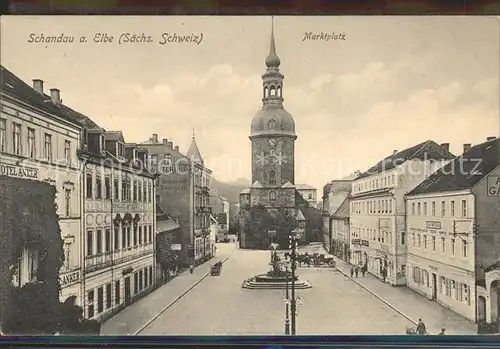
column 176, row 299
column 378, row 297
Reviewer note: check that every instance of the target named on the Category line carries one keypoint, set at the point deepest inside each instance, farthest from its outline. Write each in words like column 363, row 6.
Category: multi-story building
column 183, row 190
column 39, row 138
column 309, row 194
column 453, row 222
column 220, row 209
column 378, row 210
column 340, row 240
column 118, row 221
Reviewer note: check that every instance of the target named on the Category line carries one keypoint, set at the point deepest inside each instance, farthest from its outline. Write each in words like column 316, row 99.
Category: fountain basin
column 266, row 282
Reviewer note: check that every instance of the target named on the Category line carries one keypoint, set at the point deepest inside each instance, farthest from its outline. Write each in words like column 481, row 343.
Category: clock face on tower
column 272, row 142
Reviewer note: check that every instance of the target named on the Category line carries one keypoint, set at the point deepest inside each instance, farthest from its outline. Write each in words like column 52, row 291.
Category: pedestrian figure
column 356, row 271
column 352, row 271
column 442, row 331
column 363, row 270
column 421, row 330
column 191, row 268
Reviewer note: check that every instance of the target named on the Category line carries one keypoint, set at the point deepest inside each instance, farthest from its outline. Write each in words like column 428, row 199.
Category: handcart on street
column 215, row 269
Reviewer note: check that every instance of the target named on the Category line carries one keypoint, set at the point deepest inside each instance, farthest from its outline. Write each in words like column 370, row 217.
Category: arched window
column 271, row 124
column 273, row 90
column 266, row 92
column 272, row 177
column 272, row 196
column 279, row 91
column 271, row 152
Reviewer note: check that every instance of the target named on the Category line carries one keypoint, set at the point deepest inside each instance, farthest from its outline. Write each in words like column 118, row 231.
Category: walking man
column 356, row 271
column 352, row 272
column 421, row 330
column 363, row 270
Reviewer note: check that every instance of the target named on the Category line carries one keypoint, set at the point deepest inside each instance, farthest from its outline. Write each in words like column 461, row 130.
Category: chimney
column 394, row 151
column 490, row 139
column 466, row 147
column 176, row 148
column 170, row 145
column 445, row 146
column 155, row 138
column 165, row 141
column 38, row 85
column 55, row 95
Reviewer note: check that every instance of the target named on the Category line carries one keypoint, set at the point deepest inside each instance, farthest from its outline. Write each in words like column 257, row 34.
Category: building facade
column 183, row 191
column 309, row 194
column 39, row 140
column 378, row 210
column 340, row 240
column 119, row 263
column 220, row 209
column 454, row 234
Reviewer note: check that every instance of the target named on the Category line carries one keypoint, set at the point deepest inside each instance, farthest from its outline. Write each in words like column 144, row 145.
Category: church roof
column 272, row 60
column 288, row 185
column 193, row 152
column 257, row 184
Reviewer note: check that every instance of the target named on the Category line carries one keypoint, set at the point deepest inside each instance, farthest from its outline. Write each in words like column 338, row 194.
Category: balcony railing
column 107, row 259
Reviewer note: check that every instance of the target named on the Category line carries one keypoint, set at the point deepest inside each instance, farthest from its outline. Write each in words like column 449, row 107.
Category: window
column 416, row 275
column 464, row 208
column 453, row 289
column 108, row 295
column 443, row 209
column 117, row 292
column 453, row 247
column 150, row 238
column 434, row 243
column 272, row 195
column 144, row 194
column 136, row 185
column 140, row 235
column 466, row 293
column 135, row 235
column 90, row 300
column 271, row 152
column 136, row 282
column 16, row 138
column 425, row 241
column 464, row 249
column 99, row 240
column 168, row 159
column 107, row 187
column 141, row 280
column 433, row 208
column 48, row 147
column 403, row 235
column 154, row 160
column 139, row 189
column 129, row 240
column 418, row 209
column 124, row 237
column 116, row 238
column 67, row 152
column 272, row 178
column 425, row 208
column 413, row 239
column 90, row 243
column 271, row 125
column 413, row 208
column 116, row 188
column 149, row 192
column 453, row 208
column 31, row 143
column 98, row 186
column 107, row 240
column 32, row 265
column 150, row 275
column 89, row 186
column 443, row 245
column 124, row 188
column 100, row 300
column 3, row 134
column 390, row 206
column 67, row 202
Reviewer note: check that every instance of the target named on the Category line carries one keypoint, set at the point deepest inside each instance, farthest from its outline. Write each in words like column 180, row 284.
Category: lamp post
column 272, row 234
column 287, row 297
column 294, row 238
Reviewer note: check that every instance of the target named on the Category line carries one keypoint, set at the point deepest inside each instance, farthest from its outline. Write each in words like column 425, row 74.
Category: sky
column 392, row 83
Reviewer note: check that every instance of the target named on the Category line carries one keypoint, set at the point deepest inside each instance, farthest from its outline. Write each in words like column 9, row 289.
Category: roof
column 257, row 184
column 166, row 225
column 13, row 86
column 304, row 187
column 425, row 150
column 160, row 211
column 193, row 152
column 465, row 171
column 245, row 191
column 288, row 185
column 344, row 209
column 300, row 215
column 115, row 136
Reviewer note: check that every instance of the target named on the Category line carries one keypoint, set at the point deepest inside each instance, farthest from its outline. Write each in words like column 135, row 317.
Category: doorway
column 434, row 286
column 127, row 291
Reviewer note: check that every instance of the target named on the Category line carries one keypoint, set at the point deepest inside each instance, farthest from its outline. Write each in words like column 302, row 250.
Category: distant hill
column 231, row 191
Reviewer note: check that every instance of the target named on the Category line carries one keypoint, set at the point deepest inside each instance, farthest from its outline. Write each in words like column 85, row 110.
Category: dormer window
column 101, row 142
column 272, row 125
column 168, row 159
column 120, row 149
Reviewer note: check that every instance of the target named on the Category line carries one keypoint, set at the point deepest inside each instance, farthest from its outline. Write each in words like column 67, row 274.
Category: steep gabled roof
column 425, row 150
column 344, row 209
column 193, row 152
column 13, row 86
column 465, row 171
column 288, row 185
column 257, row 184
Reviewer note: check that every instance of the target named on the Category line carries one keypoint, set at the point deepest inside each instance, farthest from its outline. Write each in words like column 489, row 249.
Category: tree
column 257, row 227
column 313, row 218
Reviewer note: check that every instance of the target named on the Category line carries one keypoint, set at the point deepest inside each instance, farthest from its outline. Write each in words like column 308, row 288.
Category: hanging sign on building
column 18, row 171
column 493, row 186
column 69, row 278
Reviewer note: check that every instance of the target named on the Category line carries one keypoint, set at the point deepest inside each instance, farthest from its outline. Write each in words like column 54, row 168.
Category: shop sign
column 18, row 171
column 355, row 241
column 176, row 247
column 493, row 183
column 365, row 243
column 433, row 225
column 69, row 278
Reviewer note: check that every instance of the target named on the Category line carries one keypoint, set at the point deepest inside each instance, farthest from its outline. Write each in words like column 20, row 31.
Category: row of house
column 426, row 219
column 108, row 195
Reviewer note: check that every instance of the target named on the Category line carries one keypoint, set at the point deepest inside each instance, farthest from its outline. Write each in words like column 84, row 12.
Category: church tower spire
column 272, row 80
